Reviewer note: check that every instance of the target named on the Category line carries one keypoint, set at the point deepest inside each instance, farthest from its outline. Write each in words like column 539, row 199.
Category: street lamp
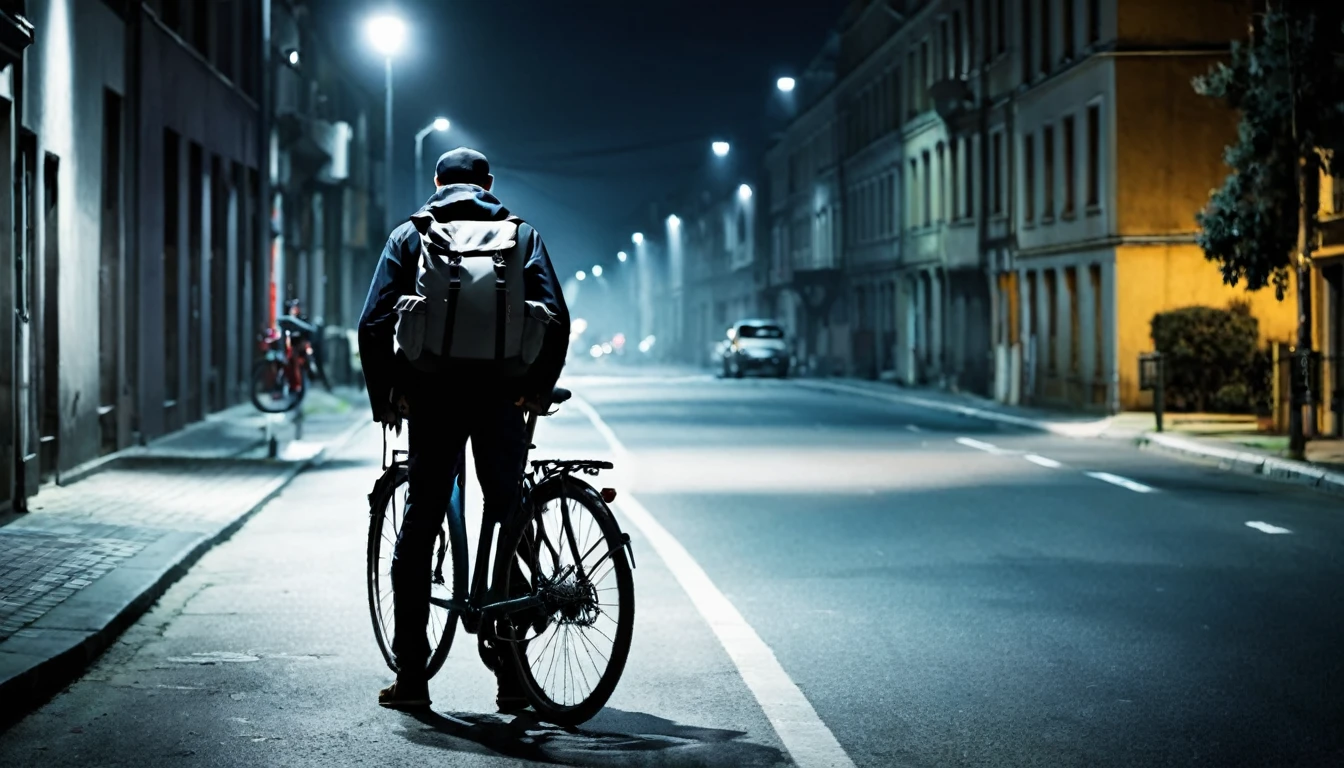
column 387, row 34
column 673, row 221
column 440, row 124
column 597, row 270
column 622, row 256
column 786, row 84
column 720, row 148
column 637, row 238
column 744, row 193
column 580, row 276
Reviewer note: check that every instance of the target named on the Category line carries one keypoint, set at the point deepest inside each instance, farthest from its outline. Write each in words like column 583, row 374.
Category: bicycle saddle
column 560, row 395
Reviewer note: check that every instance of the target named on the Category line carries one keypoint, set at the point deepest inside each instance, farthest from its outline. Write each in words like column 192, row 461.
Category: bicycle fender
column 385, row 482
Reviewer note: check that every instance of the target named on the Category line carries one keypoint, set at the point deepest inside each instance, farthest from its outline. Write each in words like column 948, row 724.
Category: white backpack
column 468, row 311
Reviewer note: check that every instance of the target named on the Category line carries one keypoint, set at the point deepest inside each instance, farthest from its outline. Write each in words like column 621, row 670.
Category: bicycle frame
column 475, row 611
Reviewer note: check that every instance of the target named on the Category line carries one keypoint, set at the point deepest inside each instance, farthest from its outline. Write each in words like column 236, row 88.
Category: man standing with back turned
column 464, row 326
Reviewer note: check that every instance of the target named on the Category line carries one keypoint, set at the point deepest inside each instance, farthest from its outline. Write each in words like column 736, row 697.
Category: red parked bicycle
column 289, row 360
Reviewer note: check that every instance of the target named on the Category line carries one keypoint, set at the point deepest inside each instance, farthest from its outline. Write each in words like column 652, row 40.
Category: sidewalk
column 1230, row 442
column 93, row 555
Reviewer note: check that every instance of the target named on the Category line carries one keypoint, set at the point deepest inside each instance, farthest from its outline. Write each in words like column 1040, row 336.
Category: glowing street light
column 673, row 221
column 744, row 193
column 387, row 34
column 637, row 238
column 292, row 57
column 580, row 275
column 786, row 84
column 440, row 124
column 597, row 270
column 622, row 256
column 720, row 148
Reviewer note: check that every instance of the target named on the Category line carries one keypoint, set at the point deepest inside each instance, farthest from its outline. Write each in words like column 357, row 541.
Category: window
column 1070, row 168
column 924, row 75
column 1048, row 174
column 942, row 183
column 1093, row 156
column 945, row 50
column 953, row 178
column 968, row 187
column 958, row 63
column 912, row 73
column 1093, row 21
column 894, row 97
column 912, row 196
column 1066, row 27
column 927, row 179
column 1052, row 320
column 172, row 259
column 1027, row 59
column 1075, row 334
column 972, row 12
column 891, row 201
column 1001, row 26
column 996, row 173
column 1046, row 37
column 986, row 31
column 1098, row 327
column 1028, row 178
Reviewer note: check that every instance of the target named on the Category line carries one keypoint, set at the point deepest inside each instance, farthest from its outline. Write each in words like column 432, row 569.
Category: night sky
column 550, row 91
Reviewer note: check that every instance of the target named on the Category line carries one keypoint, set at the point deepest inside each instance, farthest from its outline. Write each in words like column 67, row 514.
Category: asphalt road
column 942, row 591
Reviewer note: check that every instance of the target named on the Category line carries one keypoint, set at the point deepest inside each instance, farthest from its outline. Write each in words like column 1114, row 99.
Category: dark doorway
column 49, row 414
column 220, row 311
column 109, row 277
column 194, row 259
column 172, row 287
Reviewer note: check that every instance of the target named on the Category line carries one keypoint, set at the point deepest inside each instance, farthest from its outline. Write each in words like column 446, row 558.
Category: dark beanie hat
column 462, row 166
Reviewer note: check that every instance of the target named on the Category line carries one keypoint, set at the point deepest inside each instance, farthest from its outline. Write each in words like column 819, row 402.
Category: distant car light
column 596, row 351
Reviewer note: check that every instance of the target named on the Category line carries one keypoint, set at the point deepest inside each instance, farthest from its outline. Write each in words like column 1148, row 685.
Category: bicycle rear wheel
column 570, row 654
column 386, row 514
column 272, row 390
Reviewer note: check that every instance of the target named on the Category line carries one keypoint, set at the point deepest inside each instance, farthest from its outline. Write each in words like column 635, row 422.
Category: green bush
column 1208, row 355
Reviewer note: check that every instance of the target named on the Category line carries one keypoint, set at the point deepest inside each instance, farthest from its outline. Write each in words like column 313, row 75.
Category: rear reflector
column 608, row 495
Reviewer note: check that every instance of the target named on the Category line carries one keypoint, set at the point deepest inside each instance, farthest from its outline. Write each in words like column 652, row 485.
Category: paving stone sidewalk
column 91, row 556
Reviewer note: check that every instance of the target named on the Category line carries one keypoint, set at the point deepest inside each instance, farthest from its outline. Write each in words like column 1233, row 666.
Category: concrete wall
column 181, row 92
column 78, row 53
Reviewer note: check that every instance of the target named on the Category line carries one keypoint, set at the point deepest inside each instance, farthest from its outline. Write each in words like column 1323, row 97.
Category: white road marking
column 804, row 735
column 1123, row 482
column 1266, row 527
column 1042, row 461
column 980, row 446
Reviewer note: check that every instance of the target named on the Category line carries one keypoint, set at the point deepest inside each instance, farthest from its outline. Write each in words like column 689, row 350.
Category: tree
column 1287, row 83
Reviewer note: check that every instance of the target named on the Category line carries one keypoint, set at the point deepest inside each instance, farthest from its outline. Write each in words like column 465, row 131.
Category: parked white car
column 755, row 346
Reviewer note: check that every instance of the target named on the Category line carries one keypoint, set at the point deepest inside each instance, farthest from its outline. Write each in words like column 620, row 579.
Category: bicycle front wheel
column 570, row 552
column 272, row 390
column 386, row 515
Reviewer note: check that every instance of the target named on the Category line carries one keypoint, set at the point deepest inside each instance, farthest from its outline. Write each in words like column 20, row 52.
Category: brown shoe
column 405, row 694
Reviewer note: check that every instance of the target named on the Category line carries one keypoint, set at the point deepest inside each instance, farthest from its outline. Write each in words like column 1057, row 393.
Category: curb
column 1296, row 472
column 1079, row 429
column 58, row 647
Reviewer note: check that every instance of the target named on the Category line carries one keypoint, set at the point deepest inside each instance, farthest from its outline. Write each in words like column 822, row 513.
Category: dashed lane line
column 801, row 730
column 981, row 446
column 1123, row 482
column 1042, row 461
column 1266, row 527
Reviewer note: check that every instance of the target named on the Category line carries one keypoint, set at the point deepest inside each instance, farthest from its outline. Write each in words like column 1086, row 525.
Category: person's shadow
column 612, row 738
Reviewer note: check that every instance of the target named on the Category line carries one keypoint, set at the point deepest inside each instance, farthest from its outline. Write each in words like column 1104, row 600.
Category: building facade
column 1002, row 194
column 138, row 279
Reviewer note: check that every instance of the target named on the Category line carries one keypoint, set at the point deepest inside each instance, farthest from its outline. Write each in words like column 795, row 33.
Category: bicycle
column 289, row 359
column 552, row 579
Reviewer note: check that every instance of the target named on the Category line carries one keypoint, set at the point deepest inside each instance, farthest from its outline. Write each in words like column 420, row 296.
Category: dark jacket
column 384, row 369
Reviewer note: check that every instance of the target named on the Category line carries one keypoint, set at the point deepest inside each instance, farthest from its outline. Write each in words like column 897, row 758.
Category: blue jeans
column 440, row 422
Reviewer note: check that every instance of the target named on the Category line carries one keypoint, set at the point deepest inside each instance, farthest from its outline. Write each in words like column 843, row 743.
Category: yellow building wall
column 1151, row 279
column 1169, row 144
column 1182, row 22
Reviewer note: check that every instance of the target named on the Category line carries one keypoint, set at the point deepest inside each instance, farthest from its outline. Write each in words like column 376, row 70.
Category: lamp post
column 440, row 124
column 386, row 34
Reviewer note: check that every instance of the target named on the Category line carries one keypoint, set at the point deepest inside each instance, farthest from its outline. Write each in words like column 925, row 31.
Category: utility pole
column 1301, row 396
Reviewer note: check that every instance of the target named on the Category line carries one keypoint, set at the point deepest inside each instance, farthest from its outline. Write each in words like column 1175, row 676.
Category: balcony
column 16, row 34
column 319, row 150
